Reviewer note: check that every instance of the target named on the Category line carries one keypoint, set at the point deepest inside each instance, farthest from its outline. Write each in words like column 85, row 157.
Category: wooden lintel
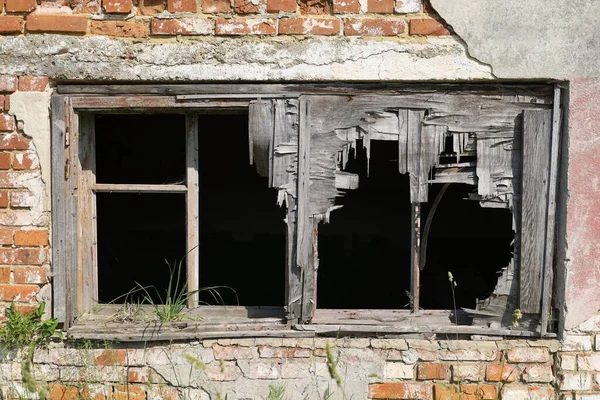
column 123, row 188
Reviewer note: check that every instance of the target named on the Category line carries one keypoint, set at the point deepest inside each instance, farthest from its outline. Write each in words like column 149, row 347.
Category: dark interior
column 364, row 251
column 242, row 232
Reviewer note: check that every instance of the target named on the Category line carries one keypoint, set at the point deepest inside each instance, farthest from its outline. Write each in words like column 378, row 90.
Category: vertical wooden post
column 415, row 245
column 193, row 250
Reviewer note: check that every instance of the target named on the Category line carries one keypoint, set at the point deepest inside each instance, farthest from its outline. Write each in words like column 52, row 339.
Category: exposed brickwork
column 239, row 26
column 20, row 5
column 120, row 28
column 117, row 6
column 64, row 23
column 427, row 27
column 11, row 24
column 183, row 26
column 216, row 6
column 373, row 27
column 33, row 83
column 182, row 6
column 309, row 26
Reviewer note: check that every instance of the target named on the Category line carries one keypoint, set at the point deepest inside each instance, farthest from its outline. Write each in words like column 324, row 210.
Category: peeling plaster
column 33, row 108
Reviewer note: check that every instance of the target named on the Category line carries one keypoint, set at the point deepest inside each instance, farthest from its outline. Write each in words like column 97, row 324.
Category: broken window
column 336, row 202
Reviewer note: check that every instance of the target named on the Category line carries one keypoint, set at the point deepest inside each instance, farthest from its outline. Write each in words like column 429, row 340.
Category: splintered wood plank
column 403, row 140
column 118, row 188
column 551, row 218
column 88, row 260
column 261, row 120
column 537, row 131
column 60, row 198
column 428, row 158
column 415, row 122
column 305, row 221
column 415, row 240
column 293, row 288
column 286, row 121
column 192, row 201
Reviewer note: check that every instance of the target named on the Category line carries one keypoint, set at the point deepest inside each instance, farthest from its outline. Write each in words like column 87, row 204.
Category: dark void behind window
column 242, row 232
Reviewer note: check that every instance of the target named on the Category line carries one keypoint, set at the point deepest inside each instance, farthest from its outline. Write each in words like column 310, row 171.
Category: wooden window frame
column 73, row 204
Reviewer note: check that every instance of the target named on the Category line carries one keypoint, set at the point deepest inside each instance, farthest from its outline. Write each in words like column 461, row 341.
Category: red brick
column 33, row 83
column 7, row 124
column 129, row 392
column 433, row 371
column 400, row 390
column 66, row 23
column 6, row 102
column 62, row 392
column 309, row 26
column 34, row 237
column 11, row 24
column 133, row 29
column 22, row 256
column 12, row 141
column 315, row 7
column 501, row 373
column 4, row 160
column 30, row 275
column 479, row 391
column 346, row 6
column 111, row 357
column 6, row 236
column 26, row 160
column 2, row 97
column 427, row 27
column 12, row 180
column 25, row 308
column 95, row 392
column 183, row 26
column 373, row 27
column 20, row 5
column 8, row 83
column 3, row 199
column 85, row 6
column 274, row 6
column 18, row 292
column 246, row 6
column 216, row 6
column 182, row 6
column 4, row 274
column 117, row 6
column 151, row 7
column 380, row 6
column 243, row 26
column 22, row 199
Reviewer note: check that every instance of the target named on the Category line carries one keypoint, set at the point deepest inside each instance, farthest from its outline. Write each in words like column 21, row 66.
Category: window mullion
column 192, row 179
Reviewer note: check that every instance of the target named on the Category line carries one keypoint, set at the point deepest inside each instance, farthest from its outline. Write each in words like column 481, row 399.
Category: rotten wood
column 415, row 245
column 261, row 121
column 537, row 131
column 193, row 209
column 293, row 288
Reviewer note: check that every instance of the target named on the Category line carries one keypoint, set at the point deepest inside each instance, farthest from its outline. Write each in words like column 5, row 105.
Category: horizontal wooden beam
column 125, row 188
column 141, row 102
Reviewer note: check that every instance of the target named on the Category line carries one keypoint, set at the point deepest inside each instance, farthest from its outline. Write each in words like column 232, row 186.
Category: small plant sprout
column 517, row 315
column 453, row 285
column 332, row 366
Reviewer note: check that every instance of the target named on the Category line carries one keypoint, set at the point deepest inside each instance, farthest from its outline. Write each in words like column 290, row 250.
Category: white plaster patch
column 408, row 6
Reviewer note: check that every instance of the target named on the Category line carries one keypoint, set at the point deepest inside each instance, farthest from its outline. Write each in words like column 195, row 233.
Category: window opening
column 242, row 229
column 364, row 250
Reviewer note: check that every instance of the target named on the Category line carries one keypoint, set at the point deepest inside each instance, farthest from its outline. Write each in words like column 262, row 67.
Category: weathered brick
column 216, row 6
column 33, row 83
column 315, row 7
column 407, row 6
column 245, row 26
column 134, row 29
column 4, row 199
column 398, row 370
column 309, row 26
column 13, row 141
column 160, row 392
column 588, row 362
column 151, row 7
column 528, row 354
column 468, row 372
column 283, row 352
column 6, row 236
column 576, row 380
column 56, row 23
column 95, row 392
column 577, row 343
column 234, row 352
column 22, row 199
column 568, row 362
column 502, row 373
column 20, row 5
column 380, row 6
column 5, row 160
column 111, row 357
column 183, row 26
column 26, row 160
column 11, row 24
column 33, row 275
column 7, row 102
column 517, row 391
column 468, row 355
column 373, row 27
column 401, row 390
column 427, row 27
column 263, row 369
column 62, row 392
column 129, row 392
column 18, row 256
column 246, row 6
column 296, row 369
column 395, row 344
column 21, row 293
column 538, row 373
column 117, row 6
column 275, row 6
column 8, row 83
column 4, row 274
column 182, row 6
column 7, row 124
column 433, row 371
column 346, row 6
column 480, row 391
column 228, row 371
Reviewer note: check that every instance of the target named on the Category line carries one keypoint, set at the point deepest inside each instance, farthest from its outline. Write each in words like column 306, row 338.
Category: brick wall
column 24, row 262
column 157, row 18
